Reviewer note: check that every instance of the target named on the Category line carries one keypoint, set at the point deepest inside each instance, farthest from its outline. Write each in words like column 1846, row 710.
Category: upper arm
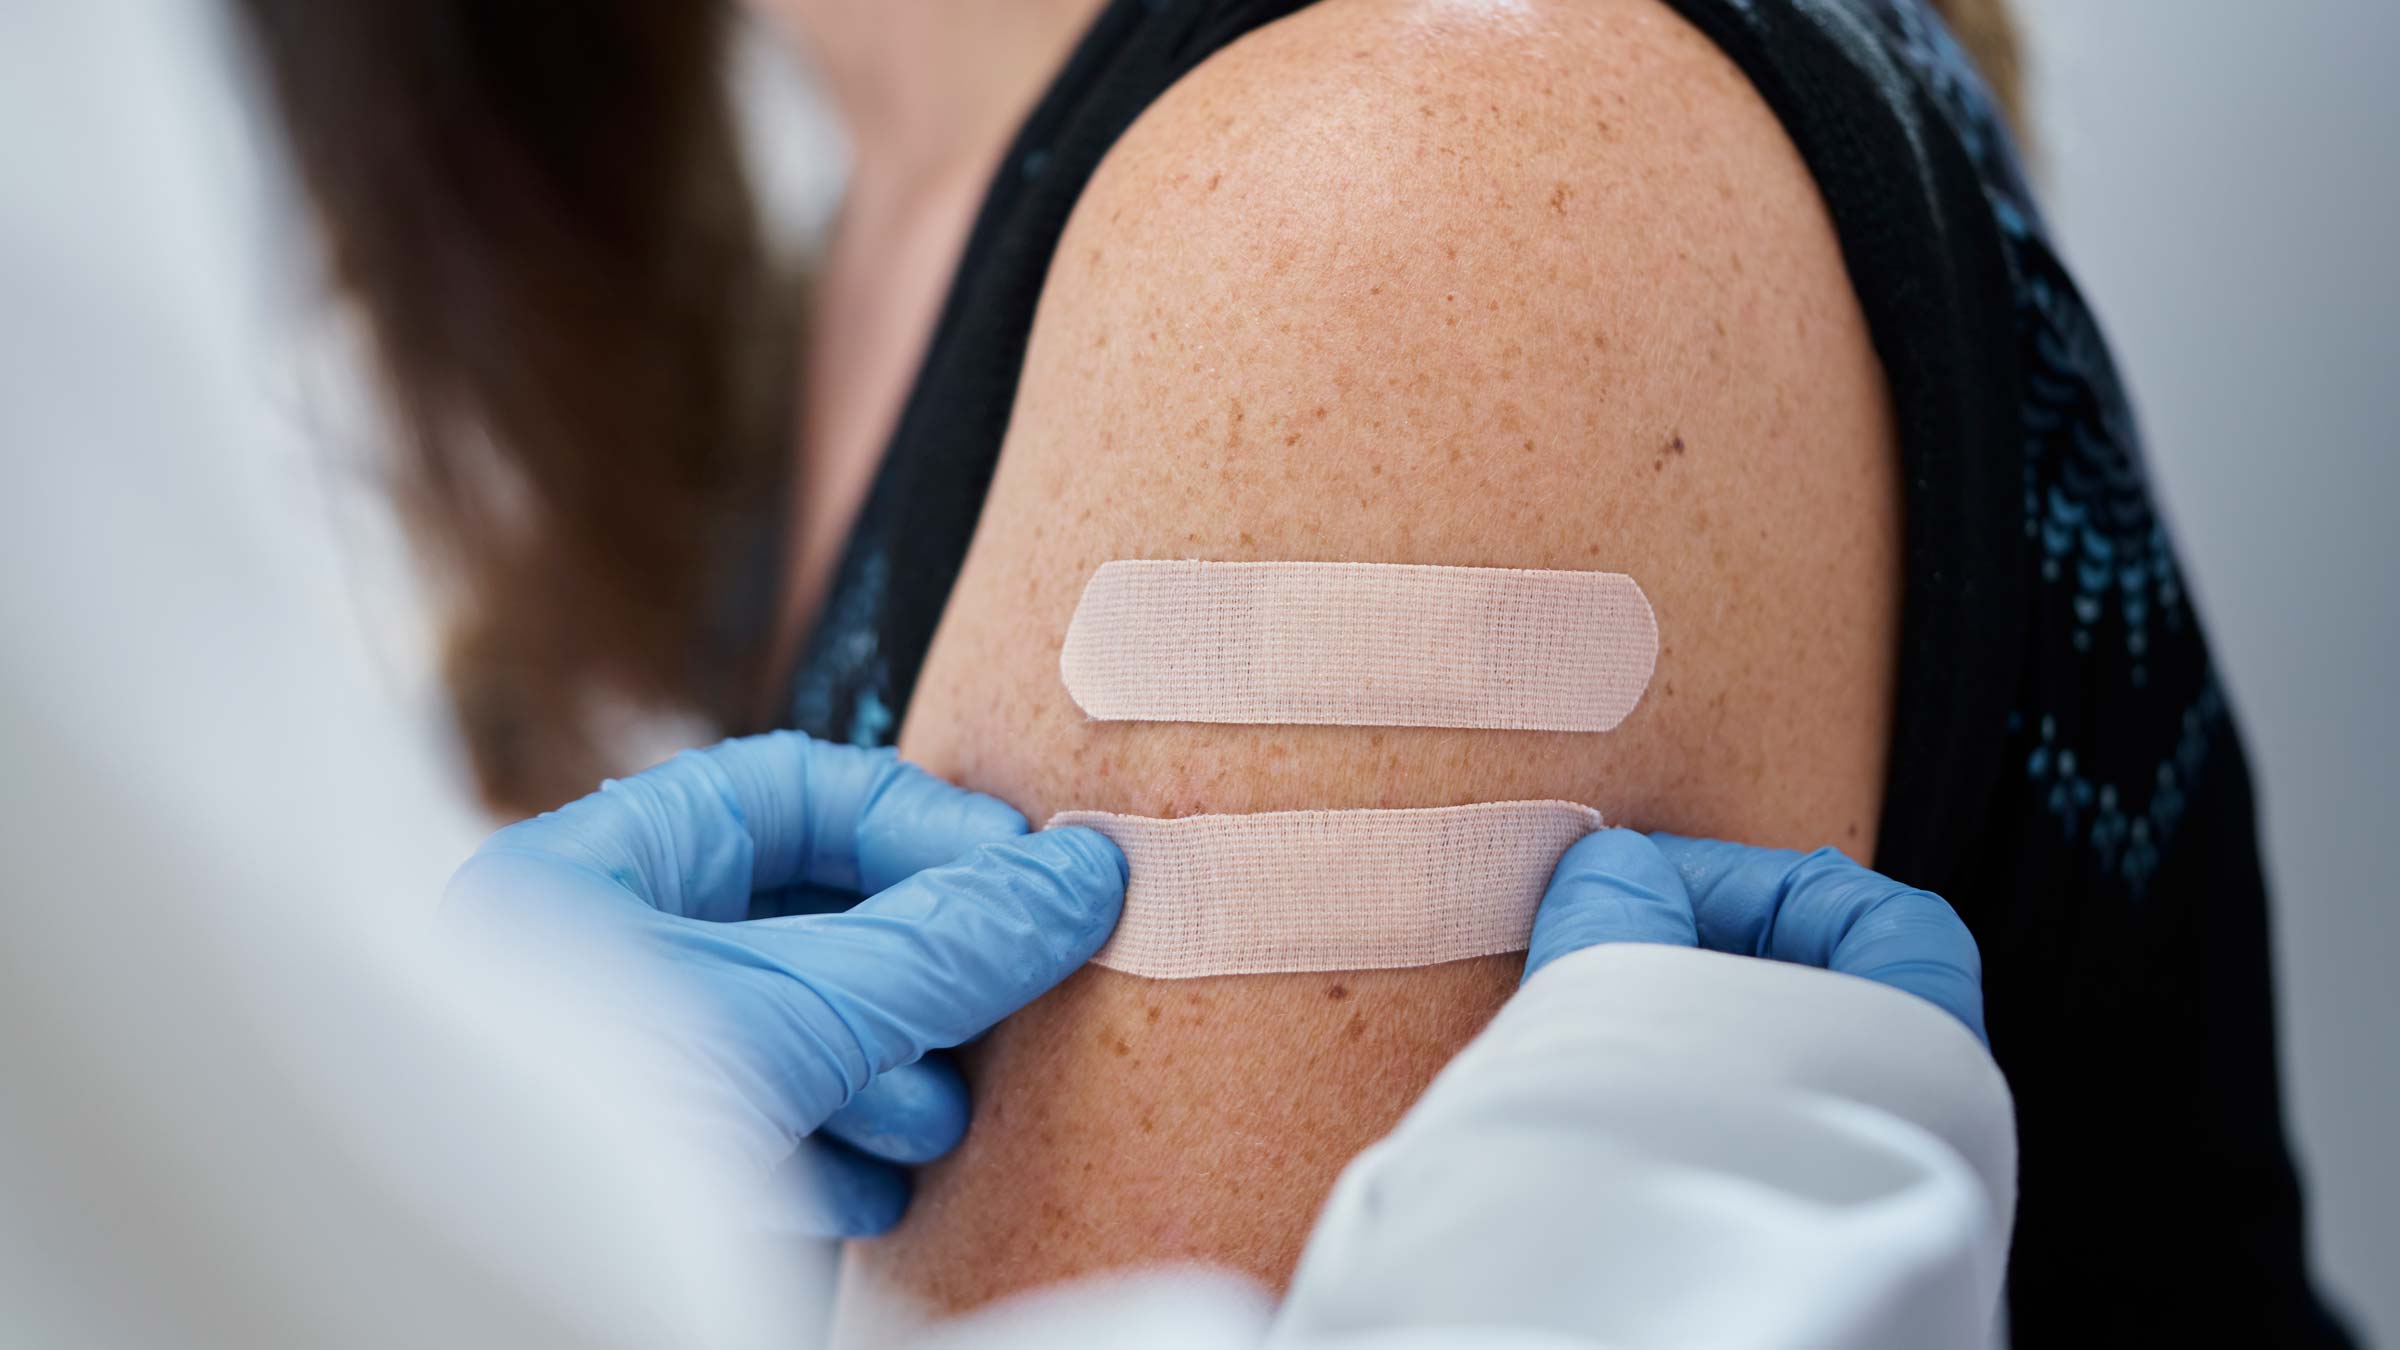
column 1532, row 286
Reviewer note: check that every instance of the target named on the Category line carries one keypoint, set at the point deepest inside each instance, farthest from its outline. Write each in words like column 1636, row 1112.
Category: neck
column 930, row 88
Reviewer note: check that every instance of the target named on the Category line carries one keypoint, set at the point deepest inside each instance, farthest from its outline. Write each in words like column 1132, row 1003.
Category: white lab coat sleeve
column 1656, row 1146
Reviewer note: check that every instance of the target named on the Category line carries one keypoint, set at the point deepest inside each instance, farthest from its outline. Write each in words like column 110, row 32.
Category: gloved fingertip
column 1085, row 851
column 911, row 1114
column 828, row 1190
column 965, row 812
column 1953, row 991
column 982, row 815
column 1082, row 875
column 1610, row 886
column 1611, row 852
column 1693, row 853
column 917, row 820
column 1968, row 1008
column 1915, row 940
column 945, row 954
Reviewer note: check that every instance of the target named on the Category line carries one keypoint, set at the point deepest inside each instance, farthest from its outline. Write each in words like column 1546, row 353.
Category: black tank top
column 2064, row 767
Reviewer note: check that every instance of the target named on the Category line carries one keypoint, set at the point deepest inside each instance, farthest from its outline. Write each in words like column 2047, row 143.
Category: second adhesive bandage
column 1331, row 890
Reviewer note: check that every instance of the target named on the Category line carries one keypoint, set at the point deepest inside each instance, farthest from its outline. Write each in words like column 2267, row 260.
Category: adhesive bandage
column 1331, row 890
column 1359, row 644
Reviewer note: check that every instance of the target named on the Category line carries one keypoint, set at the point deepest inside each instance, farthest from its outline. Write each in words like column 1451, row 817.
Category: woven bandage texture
column 1331, row 890
column 1359, row 644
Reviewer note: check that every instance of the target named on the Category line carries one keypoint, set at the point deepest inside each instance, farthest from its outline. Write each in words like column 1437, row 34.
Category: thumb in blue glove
column 806, row 1036
column 1814, row 909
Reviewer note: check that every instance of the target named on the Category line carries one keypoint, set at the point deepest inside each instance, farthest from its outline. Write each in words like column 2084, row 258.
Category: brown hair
column 540, row 211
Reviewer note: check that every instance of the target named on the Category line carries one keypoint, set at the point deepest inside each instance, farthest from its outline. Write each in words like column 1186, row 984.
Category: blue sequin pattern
column 2116, row 784
column 841, row 691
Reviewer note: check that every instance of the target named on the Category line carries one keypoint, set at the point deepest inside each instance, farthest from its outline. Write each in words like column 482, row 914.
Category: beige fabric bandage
column 1359, row 644
column 1331, row 890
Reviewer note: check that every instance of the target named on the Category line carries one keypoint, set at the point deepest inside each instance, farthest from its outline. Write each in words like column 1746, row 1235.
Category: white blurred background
column 202, row 589
column 2226, row 176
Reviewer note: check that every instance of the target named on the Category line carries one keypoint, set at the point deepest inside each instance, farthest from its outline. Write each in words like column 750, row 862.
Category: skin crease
column 1538, row 284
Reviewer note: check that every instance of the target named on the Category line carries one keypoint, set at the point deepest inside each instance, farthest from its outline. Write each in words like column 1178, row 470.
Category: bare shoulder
column 1540, row 284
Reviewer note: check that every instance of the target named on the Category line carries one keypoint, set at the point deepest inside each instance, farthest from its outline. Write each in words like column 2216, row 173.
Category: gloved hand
column 1814, row 909
column 809, row 1032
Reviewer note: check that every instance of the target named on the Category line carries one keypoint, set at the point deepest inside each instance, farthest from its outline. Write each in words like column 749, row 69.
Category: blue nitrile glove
column 1813, row 909
column 811, row 1030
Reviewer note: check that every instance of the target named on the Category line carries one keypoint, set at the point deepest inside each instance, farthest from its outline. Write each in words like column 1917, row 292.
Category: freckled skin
column 1536, row 286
